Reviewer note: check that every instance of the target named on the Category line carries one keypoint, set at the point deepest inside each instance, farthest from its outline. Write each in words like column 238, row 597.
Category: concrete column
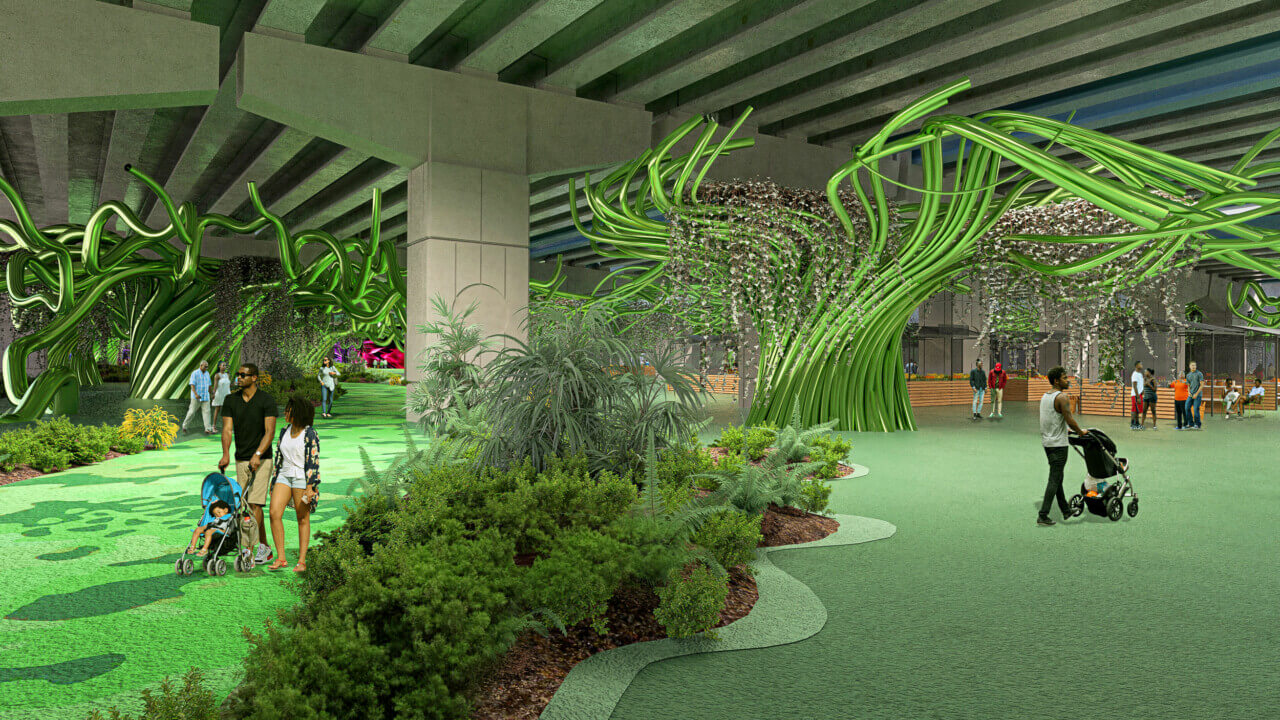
column 469, row 239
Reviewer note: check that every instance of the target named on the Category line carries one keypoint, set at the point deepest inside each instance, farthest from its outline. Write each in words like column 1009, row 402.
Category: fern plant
column 753, row 488
column 795, row 441
column 451, row 374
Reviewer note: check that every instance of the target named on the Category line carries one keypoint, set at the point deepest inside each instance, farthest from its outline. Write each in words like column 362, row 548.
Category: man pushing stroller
column 1055, row 418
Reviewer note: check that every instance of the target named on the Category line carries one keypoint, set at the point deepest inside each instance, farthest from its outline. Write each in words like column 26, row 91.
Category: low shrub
column 154, row 427
column 814, row 495
column 192, row 701
column 575, row 580
column 407, row 636
column 830, row 451
column 754, row 440
column 56, row 444
column 129, row 446
column 731, row 537
column 691, row 601
column 49, row 459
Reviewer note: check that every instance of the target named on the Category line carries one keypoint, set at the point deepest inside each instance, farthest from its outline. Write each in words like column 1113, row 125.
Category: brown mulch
column 789, row 526
column 717, row 453
column 533, row 669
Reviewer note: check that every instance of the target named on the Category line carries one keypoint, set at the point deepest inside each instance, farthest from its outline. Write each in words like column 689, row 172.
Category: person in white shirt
column 1256, row 393
column 296, row 479
column 1135, row 396
column 1229, row 397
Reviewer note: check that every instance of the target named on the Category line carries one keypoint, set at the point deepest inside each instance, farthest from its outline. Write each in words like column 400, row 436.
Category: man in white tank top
column 1055, row 418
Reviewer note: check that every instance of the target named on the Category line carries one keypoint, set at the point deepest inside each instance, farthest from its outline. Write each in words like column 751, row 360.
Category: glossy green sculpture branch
column 842, row 358
column 163, row 305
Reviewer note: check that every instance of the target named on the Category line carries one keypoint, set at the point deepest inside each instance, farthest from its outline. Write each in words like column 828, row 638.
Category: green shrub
column 731, row 537
column 755, row 440
column 192, row 701
column 16, row 448
column 49, row 459
column 656, row 547
column 129, row 445
column 753, row 488
column 814, row 495
column 405, row 637
column 575, row 580
column 691, row 602
column 830, row 451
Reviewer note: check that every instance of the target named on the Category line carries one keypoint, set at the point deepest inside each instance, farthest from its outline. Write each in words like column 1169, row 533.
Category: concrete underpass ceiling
column 1200, row 79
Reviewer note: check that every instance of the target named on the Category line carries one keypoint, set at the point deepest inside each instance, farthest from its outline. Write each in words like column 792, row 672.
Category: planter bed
column 26, row 472
column 534, row 668
column 719, row 452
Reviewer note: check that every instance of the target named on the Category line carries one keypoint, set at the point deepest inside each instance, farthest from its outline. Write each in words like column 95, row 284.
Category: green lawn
column 91, row 610
column 971, row 611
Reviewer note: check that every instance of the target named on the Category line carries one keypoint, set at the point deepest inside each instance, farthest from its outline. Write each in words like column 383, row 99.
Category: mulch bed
column 26, row 472
column 717, row 453
column 533, row 669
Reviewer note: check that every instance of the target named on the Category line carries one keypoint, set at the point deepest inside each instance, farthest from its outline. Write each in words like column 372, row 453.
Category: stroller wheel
column 1076, row 503
column 188, row 567
column 1114, row 509
column 177, row 566
column 219, row 567
column 239, row 567
column 1133, row 507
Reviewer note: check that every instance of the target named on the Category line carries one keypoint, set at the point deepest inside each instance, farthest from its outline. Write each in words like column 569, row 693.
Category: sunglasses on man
column 245, row 375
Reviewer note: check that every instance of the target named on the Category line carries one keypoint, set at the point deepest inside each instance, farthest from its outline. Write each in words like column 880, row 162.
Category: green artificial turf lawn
column 972, row 611
column 91, row 611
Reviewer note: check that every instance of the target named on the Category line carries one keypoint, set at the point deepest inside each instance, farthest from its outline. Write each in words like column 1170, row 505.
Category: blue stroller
column 217, row 486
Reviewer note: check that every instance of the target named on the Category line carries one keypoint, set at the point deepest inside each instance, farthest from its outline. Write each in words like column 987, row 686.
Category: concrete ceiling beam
column 360, row 200
column 52, row 158
column 288, row 18
column 426, row 114
column 313, row 179
column 634, row 30
column 89, row 140
column 538, row 22
column 1164, row 32
column 710, row 49
column 56, row 60
column 354, row 186
column 412, row 21
column 273, row 157
column 969, row 39
column 128, row 133
column 859, row 32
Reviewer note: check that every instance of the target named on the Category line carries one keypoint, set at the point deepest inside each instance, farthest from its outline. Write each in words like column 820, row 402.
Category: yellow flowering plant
column 154, row 427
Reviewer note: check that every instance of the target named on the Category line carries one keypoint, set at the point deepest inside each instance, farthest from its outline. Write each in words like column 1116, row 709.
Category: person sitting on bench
column 1255, row 396
column 1229, row 397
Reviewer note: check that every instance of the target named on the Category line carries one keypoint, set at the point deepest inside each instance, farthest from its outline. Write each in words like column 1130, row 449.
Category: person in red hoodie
column 996, row 380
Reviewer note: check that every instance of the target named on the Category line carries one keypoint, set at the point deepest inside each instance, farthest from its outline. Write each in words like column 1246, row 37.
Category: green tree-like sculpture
column 155, row 290
column 838, row 352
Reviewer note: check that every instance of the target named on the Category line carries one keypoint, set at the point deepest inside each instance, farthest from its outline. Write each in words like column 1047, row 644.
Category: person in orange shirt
column 1181, row 391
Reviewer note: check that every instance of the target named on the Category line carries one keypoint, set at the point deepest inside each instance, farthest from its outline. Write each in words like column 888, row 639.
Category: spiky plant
column 451, row 373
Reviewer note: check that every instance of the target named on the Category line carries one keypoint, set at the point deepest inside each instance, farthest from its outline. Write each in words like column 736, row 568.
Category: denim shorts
column 295, row 483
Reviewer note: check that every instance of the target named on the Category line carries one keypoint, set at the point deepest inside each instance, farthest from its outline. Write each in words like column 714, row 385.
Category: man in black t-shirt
column 249, row 418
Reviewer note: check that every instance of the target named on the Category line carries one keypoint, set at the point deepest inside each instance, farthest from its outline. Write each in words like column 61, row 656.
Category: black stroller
column 1099, row 453
column 217, row 486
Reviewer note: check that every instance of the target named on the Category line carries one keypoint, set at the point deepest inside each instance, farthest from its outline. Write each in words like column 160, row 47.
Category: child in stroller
column 224, row 509
column 1102, row 494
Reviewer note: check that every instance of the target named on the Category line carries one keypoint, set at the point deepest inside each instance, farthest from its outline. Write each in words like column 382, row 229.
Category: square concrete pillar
column 468, row 242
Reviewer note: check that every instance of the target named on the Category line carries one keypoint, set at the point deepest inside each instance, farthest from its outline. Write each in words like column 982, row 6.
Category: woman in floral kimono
column 296, row 478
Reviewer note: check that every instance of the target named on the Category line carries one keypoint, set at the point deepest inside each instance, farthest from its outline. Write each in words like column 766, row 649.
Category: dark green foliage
column 731, row 537
column 57, row 444
column 575, row 580
column 450, row 366
column 192, row 701
column 112, row 373
column 753, row 488
column 814, row 495
column 794, row 441
column 406, row 636
column 691, row 601
column 575, row 388
column 129, row 445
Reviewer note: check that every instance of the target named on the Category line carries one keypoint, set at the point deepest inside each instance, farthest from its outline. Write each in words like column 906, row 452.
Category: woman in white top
column 328, row 376
column 221, row 389
column 296, row 478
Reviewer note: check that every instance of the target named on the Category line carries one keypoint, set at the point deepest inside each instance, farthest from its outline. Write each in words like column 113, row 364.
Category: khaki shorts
column 257, row 494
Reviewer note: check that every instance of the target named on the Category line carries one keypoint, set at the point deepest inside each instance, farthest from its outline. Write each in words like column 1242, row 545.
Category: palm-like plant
column 450, row 364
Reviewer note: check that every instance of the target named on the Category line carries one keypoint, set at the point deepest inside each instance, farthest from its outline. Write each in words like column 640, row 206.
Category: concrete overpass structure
column 471, row 115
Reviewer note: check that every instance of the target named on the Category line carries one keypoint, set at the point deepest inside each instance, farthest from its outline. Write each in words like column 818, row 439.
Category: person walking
column 328, row 376
column 249, row 419
column 1055, row 418
column 996, row 380
column 221, row 389
column 199, row 385
column 1149, row 398
column 1180, row 393
column 978, row 382
column 296, row 478
column 1135, row 396
column 1195, row 390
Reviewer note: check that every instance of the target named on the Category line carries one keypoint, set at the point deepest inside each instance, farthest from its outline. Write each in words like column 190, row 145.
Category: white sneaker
column 263, row 555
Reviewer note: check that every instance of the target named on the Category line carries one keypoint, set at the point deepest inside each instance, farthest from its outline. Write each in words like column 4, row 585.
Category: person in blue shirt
column 1195, row 385
column 199, row 384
